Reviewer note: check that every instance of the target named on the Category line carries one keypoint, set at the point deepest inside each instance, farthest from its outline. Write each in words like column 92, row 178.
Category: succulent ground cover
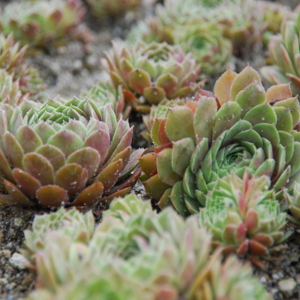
column 254, row 216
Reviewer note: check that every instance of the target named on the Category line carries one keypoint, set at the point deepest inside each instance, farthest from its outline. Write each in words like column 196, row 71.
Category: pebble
column 277, row 275
column 3, row 281
column 10, row 286
column 1, row 235
column 18, row 261
column 294, row 257
column 286, row 286
column 92, row 61
column 18, row 221
column 55, row 68
column 62, row 50
column 6, row 253
column 77, row 65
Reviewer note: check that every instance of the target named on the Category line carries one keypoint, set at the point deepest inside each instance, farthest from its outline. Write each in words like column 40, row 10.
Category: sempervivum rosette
column 138, row 249
column 239, row 126
column 104, row 8
column 104, row 93
column 73, row 162
column 13, row 62
column 155, row 71
column 71, row 223
column 184, row 24
column 243, row 216
column 39, row 23
column 206, row 43
column 10, row 90
column 293, row 203
column 285, row 56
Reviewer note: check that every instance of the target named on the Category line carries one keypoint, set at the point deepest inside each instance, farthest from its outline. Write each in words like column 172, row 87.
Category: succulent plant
column 155, row 71
column 181, row 23
column 285, row 53
column 242, row 23
column 10, row 90
column 293, row 202
column 243, row 216
column 230, row 280
column 71, row 223
column 13, row 62
column 145, row 257
column 207, row 44
column 273, row 16
column 109, row 283
column 55, row 270
column 104, row 8
column 60, row 110
column 105, row 93
column 42, row 22
column 77, row 163
column 156, row 112
column 239, row 126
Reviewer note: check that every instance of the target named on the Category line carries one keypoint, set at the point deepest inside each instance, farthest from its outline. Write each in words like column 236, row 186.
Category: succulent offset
column 104, row 93
column 65, row 161
column 104, row 8
column 153, row 72
column 239, row 126
column 39, row 23
column 136, row 253
column 206, row 43
column 10, row 90
column 184, row 24
column 73, row 224
column 13, row 62
column 243, row 216
column 273, row 16
column 285, row 56
column 241, row 20
column 171, row 252
column 293, row 203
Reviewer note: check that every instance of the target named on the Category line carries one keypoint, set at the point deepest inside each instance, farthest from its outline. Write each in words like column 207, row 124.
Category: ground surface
column 68, row 71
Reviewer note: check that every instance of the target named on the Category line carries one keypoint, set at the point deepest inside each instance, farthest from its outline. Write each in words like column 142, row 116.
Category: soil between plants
column 68, row 71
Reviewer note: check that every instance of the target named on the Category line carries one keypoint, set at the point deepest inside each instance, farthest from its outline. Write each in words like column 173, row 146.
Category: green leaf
column 284, row 119
column 293, row 105
column 164, row 167
column 226, row 117
column 205, row 118
column 179, row 123
column 181, row 155
column 242, row 80
column 177, row 198
column 198, row 155
column 250, row 97
column 261, row 114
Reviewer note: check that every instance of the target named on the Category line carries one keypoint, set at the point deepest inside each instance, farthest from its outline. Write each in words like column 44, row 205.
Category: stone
column 287, row 286
column 3, row 281
column 18, row 222
column 5, row 253
column 18, row 261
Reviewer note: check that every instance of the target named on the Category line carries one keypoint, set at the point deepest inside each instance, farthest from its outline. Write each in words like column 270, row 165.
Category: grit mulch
column 68, row 71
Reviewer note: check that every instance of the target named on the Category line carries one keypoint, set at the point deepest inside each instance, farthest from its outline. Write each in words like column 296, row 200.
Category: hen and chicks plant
column 71, row 153
column 104, row 8
column 181, row 23
column 244, row 217
column 136, row 249
column 40, row 23
column 285, row 56
column 150, row 73
column 16, row 72
column 241, row 126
